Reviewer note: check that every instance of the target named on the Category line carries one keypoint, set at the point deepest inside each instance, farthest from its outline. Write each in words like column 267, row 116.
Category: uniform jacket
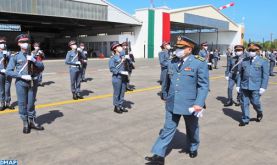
column 163, row 58
column 188, row 86
column 253, row 74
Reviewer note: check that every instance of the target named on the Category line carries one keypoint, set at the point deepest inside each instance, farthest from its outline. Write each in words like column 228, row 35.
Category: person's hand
column 3, row 71
column 26, row 77
column 5, row 52
column 78, row 63
column 124, row 73
column 79, row 49
column 227, row 78
column 197, row 108
column 262, row 90
column 31, row 58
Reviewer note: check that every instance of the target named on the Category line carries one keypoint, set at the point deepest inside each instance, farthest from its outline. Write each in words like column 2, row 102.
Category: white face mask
column 2, row 46
column 180, row 53
column 36, row 48
column 24, row 45
column 239, row 53
column 168, row 47
column 74, row 47
column 206, row 47
column 82, row 47
column 252, row 54
column 119, row 49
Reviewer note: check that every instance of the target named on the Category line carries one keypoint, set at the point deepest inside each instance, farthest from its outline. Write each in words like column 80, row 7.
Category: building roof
column 202, row 6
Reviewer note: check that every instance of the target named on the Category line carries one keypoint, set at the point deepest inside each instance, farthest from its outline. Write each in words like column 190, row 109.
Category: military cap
column 22, row 38
column 165, row 43
column 185, row 42
column 204, row 44
column 36, row 44
column 239, row 47
column 72, row 42
column 254, row 46
column 3, row 39
column 115, row 45
column 124, row 43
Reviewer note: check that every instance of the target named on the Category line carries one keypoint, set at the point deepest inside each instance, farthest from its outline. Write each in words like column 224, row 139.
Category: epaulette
column 200, row 58
column 264, row 58
column 14, row 54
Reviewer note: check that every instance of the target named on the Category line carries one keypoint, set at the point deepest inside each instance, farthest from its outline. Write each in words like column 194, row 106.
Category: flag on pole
column 227, row 6
column 152, row 3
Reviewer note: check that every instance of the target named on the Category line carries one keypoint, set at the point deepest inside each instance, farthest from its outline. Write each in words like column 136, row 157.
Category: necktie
column 180, row 64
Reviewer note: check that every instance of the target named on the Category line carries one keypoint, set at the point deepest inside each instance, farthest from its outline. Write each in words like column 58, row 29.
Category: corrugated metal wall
column 58, row 8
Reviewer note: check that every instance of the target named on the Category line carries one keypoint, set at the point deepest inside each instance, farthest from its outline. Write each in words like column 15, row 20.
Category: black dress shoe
column 129, row 89
column 9, row 106
column 259, row 117
column 155, row 160
column 229, row 103
column 242, row 124
column 2, row 107
column 79, row 96
column 123, row 109
column 193, row 154
column 75, row 97
column 117, row 110
column 26, row 127
column 237, row 103
column 34, row 125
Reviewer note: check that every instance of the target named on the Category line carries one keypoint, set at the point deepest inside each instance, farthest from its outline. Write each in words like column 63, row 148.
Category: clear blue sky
column 260, row 15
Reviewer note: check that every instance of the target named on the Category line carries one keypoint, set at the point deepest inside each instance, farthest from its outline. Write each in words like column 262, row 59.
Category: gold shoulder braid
column 200, row 58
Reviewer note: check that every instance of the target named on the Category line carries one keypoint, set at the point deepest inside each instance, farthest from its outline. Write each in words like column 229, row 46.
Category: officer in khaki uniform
column 187, row 88
column 252, row 82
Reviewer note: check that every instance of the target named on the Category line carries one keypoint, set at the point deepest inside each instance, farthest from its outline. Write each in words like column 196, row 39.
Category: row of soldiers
column 185, row 86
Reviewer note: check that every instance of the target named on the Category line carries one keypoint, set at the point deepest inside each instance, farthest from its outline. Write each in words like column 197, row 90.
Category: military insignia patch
column 187, row 69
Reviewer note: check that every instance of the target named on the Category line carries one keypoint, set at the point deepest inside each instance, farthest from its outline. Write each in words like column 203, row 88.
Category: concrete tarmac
column 89, row 132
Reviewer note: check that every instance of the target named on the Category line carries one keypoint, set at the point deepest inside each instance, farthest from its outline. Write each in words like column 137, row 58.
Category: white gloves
column 31, row 58
column 196, row 114
column 262, row 90
column 124, row 73
column 40, row 52
column 78, row 63
column 85, row 61
column 227, row 78
column 238, row 89
column 5, row 52
column 127, row 56
column 26, row 77
column 209, row 63
column 3, row 71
